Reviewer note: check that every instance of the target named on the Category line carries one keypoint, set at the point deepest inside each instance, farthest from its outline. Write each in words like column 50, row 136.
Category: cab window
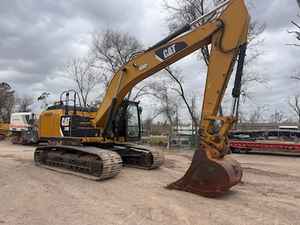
column 133, row 123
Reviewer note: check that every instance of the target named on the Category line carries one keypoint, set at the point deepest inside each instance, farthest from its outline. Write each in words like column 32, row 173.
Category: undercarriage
column 97, row 163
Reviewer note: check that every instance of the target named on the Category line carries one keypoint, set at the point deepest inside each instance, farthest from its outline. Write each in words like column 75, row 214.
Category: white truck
column 23, row 128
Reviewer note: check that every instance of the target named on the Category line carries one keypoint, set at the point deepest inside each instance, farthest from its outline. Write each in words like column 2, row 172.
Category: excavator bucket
column 209, row 177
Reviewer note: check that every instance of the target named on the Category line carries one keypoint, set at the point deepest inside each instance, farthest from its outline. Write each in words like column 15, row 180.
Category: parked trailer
column 266, row 141
column 264, row 147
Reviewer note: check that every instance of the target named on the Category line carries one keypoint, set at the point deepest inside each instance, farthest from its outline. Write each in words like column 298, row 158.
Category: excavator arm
column 211, row 172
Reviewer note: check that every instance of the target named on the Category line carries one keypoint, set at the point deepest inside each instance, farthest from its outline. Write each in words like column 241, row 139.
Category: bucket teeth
column 209, row 177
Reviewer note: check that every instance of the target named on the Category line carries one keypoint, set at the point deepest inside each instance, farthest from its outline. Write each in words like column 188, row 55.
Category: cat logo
column 170, row 50
column 65, row 121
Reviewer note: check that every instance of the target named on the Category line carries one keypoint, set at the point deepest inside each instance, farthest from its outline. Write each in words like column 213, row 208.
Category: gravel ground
column 269, row 194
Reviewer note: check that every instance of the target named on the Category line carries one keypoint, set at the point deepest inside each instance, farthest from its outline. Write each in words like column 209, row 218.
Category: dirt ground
column 269, row 194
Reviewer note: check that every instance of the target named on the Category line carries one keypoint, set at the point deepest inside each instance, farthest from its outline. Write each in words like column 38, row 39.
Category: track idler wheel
column 209, row 177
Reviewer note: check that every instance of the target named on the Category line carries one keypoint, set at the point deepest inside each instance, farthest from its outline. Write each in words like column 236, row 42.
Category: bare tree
column 277, row 116
column 168, row 104
column 44, row 97
column 85, row 75
column 180, row 91
column 191, row 108
column 295, row 105
column 241, row 117
column 257, row 114
column 112, row 50
column 295, row 32
column 148, row 122
column 145, row 88
column 24, row 103
column 296, row 77
column 169, row 92
column 7, row 101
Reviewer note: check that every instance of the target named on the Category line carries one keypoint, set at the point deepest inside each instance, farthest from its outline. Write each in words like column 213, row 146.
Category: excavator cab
column 127, row 122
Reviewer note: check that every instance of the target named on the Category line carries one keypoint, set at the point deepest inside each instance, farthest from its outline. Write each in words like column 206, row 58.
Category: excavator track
column 139, row 156
column 88, row 162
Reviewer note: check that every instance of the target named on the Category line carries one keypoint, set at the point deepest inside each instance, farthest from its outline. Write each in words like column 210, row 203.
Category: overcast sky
column 39, row 37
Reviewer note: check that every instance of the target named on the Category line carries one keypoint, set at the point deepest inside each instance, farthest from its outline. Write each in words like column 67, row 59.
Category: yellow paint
column 4, row 129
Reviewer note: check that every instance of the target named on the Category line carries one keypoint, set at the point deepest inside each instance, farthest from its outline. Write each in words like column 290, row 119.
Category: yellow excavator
column 97, row 142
